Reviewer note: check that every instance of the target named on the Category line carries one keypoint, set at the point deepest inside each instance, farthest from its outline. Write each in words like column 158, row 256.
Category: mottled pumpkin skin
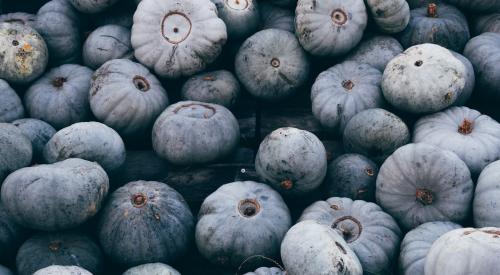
column 217, row 87
column 162, row 224
column 11, row 107
column 391, row 16
column 38, row 132
column 16, row 150
column 19, row 18
column 275, row 17
column 65, row 89
column 62, row 270
column 55, row 196
column 61, row 248
column 154, row 268
column 240, row 220
column 421, row 183
column 11, row 236
column 483, row 6
column 416, row 245
column 267, row 271
column 487, row 23
column 376, row 51
column 5, row 271
column 92, row 6
column 485, row 210
column 106, row 43
column 310, row 248
column 24, row 52
column 240, row 16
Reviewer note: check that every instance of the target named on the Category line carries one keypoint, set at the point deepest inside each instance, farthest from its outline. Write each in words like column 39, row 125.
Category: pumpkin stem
column 424, row 196
column 432, row 10
column 339, row 17
column 286, row 184
column 354, row 228
column 141, row 83
column 348, row 84
column 466, row 127
column 54, row 246
column 209, row 78
column 58, row 82
column 275, row 62
column 249, row 207
column 369, row 171
column 139, row 200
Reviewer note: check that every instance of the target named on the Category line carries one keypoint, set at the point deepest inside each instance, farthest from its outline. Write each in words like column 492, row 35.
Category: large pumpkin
column 217, row 87
column 11, row 236
column 485, row 209
column 487, row 23
column 240, row 16
column 106, row 43
column 376, row 51
column 152, row 268
column 62, row 270
column 38, row 132
column 11, row 107
column 391, row 16
column 16, row 150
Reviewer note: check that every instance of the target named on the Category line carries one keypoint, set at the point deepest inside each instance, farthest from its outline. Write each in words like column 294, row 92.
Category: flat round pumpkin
column 16, row 150
column 484, row 207
column 11, row 107
column 391, row 16
column 106, row 43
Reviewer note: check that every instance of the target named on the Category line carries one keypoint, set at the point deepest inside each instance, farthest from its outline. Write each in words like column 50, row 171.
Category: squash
column 65, row 89
column 390, row 16
column 92, row 6
column 487, row 23
column 125, row 96
column 291, row 160
column 370, row 232
column 484, row 207
column 344, row 90
column 275, row 17
column 62, row 270
column 152, row 268
column 106, row 43
column 38, row 132
column 474, row 137
column 240, row 16
column 330, row 27
column 267, row 271
column 239, row 220
column 310, row 248
column 19, row 18
column 11, row 236
column 11, row 107
column 16, row 150
column 421, row 183
column 376, row 51
column 217, row 87
column 153, row 218
column 179, row 37
column 192, row 132
column 480, row 6
column 5, row 271
column 271, row 64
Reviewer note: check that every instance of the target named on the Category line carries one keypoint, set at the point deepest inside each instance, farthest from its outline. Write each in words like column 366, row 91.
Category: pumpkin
column 217, row 87
column 153, row 268
column 370, row 232
column 153, row 218
column 267, row 271
column 192, row 132
column 140, row 165
column 416, row 245
column 477, row 5
column 24, row 53
column 344, row 90
column 11, row 107
column 92, row 6
column 240, row 16
column 351, row 176
column 330, row 27
column 474, row 137
column 291, row 160
column 440, row 24
column 275, row 17
column 390, row 16
column 16, row 150
column 11, row 236
column 375, row 133
column 239, row 220
column 65, row 89
column 179, row 37
column 376, row 51
column 483, row 51
column 126, row 96
column 56, row 196
column 62, row 270
column 59, row 24
column 61, row 248
column 310, row 248
column 485, row 211
column 421, row 183
column 271, row 64
column 106, row 43
column 427, row 78
column 91, row 141
column 19, row 18
column 474, row 251
column 38, row 132
column 5, row 271
column 487, row 23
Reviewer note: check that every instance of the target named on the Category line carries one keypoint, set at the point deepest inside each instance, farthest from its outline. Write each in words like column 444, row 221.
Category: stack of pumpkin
column 101, row 174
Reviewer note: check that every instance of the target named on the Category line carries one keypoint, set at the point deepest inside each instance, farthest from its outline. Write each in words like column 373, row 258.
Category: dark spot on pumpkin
column 419, row 63
column 341, row 248
column 15, row 43
column 348, row 84
column 54, row 246
column 349, row 227
column 466, row 127
column 496, row 233
column 340, row 265
column 424, row 196
column 139, row 200
column 286, row 184
column 249, row 208
column 334, row 207
column 176, row 30
column 141, row 83
column 58, row 82
column 448, row 96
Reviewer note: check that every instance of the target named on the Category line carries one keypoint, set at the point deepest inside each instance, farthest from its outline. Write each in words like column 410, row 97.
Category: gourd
column 217, row 87
column 344, row 90
column 375, row 133
column 240, row 16
column 152, row 268
column 11, row 107
column 212, row 129
column 177, row 38
column 310, row 248
column 161, row 220
column 474, row 137
column 38, row 132
column 24, row 53
column 125, row 96
column 487, row 23
column 16, row 150
column 370, row 232
column 92, row 6
column 427, row 78
column 330, row 27
column 480, row 6
column 484, row 207
column 11, row 236
column 275, row 17
column 239, row 220
column 271, row 64
column 376, row 51
column 22, row 18
column 56, row 196
column 421, row 183
column 267, row 271
column 65, row 89
column 106, row 43
column 390, row 16
column 91, row 141
column 291, row 160
column 62, row 270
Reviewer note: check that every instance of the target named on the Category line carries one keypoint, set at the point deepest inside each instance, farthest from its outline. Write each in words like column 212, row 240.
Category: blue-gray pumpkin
column 275, row 17
column 62, row 270
column 391, row 16
column 485, row 205
column 487, row 23
column 19, row 18
column 16, row 150
column 152, row 268
column 92, row 6
column 240, row 16
column 11, row 235
column 217, row 87
column 376, row 51
column 38, row 132
column 11, row 107
column 107, row 43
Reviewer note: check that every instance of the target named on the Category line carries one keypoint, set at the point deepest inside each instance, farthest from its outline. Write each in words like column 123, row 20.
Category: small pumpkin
column 16, row 150
column 22, row 18
column 390, row 16
column 376, row 51
column 11, row 236
column 5, row 271
column 275, row 17
column 267, row 271
column 106, row 43
column 421, row 183
column 480, row 6
column 484, row 207
column 240, row 16
column 152, row 268
column 38, row 132
column 487, row 23
column 92, row 6
column 239, row 220
column 217, row 87
column 62, row 270
column 11, row 107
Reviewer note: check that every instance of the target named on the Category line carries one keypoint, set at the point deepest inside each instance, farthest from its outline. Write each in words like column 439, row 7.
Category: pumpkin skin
column 60, row 248
column 344, row 90
column 370, row 232
column 484, row 206
column 267, row 271
column 192, row 132
column 64, row 89
column 152, row 209
column 11, row 107
column 25, row 54
column 62, row 270
column 416, row 245
column 11, row 236
column 330, row 28
column 91, row 141
column 240, row 16
column 271, row 64
column 427, row 78
column 16, row 150
column 240, row 220
column 125, row 96
column 477, row 5
column 38, row 132
column 474, row 137
column 376, row 51
column 154, row 268
column 487, row 23
column 390, row 16
column 291, row 160
column 5, row 271
column 106, row 43
column 92, row 6
column 56, row 196
column 275, row 17
column 19, row 18
column 310, row 248
column 190, row 37
column 421, row 183
column 217, row 87
column 466, row 246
